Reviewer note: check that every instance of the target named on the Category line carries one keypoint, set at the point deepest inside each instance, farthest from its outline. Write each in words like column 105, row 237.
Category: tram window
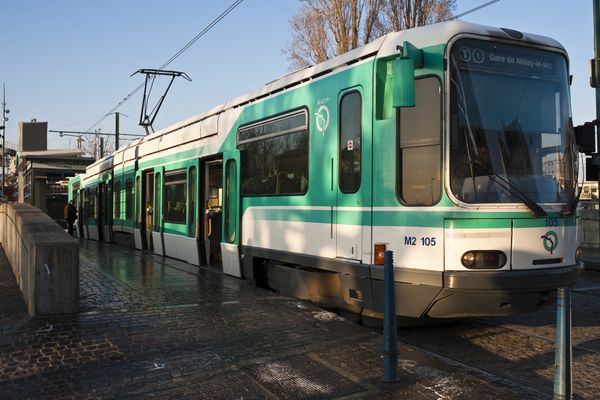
column 128, row 198
column 230, row 201
column 350, row 142
column 419, row 150
column 274, row 156
column 192, row 202
column 104, row 199
column 117, row 200
column 175, row 197
column 138, row 189
column 157, row 203
column 92, row 210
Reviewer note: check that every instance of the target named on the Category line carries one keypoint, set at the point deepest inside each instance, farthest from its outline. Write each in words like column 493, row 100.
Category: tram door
column 349, row 215
column 147, row 220
column 230, row 252
column 213, row 210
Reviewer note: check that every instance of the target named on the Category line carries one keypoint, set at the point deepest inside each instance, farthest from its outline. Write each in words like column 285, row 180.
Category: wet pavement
column 151, row 327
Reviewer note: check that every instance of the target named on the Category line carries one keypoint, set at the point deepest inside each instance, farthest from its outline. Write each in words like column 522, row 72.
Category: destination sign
column 477, row 53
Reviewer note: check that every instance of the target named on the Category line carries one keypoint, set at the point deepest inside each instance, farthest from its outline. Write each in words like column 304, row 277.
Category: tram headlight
column 483, row 259
column 468, row 259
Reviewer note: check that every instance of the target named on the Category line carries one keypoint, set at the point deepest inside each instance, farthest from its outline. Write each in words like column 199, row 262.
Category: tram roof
column 421, row 37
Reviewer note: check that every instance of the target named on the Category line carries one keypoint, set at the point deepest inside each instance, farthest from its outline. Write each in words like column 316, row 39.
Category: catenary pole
column 596, row 52
column 117, row 130
column 3, row 135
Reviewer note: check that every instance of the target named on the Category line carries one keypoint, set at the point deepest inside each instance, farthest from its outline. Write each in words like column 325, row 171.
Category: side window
column 350, row 142
column 274, row 155
column 104, row 199
column 117, row 200
column 138, row 193
column 91, row 204
column 230, row 201
column 157, row 203
column 192, row 202
column 175, row 197
column 128, row 198
column 419, row 146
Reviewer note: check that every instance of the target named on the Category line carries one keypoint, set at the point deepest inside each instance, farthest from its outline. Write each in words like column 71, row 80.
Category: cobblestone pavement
column 521, row 348
column 151, row 327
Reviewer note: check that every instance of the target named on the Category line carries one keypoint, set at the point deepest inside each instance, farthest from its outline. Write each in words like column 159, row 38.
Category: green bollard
column 390, row 344
column 563, row 382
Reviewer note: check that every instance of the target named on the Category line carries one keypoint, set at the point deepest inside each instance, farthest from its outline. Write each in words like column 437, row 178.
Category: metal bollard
column 390, row 345
column 563, row 388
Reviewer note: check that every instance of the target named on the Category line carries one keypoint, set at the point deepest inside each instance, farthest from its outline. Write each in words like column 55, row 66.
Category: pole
column 596, row 5
column 390, row 344
column 3, row 134
column 117, row 131
column 101, row 147
column 563, row 377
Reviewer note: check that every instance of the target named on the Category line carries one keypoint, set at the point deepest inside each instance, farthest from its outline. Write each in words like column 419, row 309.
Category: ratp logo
column 550, row 241
column 322, row 118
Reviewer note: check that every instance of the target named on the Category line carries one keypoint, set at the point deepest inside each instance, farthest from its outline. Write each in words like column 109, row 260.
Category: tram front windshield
column 510, row 124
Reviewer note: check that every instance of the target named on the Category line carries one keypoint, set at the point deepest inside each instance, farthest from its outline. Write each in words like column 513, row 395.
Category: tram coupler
column 563, row 378
column 390, row 344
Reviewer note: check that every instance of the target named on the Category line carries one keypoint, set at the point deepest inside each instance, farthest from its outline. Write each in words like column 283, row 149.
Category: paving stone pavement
column 151, row 327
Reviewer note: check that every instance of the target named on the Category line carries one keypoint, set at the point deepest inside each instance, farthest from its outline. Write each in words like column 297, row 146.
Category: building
column 42, row 174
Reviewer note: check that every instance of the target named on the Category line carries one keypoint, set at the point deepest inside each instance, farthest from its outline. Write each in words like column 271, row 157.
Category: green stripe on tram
column 429, row 219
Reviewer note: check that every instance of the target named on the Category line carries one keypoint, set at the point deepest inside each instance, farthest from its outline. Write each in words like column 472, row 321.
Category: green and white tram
column 450, row 144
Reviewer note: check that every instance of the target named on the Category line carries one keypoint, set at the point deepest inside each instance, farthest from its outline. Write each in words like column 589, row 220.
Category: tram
column 451, row 145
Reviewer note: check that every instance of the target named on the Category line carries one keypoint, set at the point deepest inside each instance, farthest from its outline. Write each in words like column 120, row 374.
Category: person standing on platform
column 70, row 215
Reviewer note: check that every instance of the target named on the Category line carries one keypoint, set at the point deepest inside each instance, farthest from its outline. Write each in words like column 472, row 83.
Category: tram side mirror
column 404, row 82
column 595, row 73
column 403, row 70
column 585, row 138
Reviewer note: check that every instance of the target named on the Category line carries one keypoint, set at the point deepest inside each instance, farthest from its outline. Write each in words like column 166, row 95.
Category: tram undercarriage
column 447, row 295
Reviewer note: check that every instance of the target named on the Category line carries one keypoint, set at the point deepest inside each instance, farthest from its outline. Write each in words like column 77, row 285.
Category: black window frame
column 230, row 202
column 173, row 178
column 192, row 188
column 341, row 147
column 399, row 170
column 128, row 198
column 254, row 137
column 138, row 194
column 117, row 200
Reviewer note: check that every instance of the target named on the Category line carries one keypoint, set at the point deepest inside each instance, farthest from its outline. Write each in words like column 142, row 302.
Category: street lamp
column 79, row 138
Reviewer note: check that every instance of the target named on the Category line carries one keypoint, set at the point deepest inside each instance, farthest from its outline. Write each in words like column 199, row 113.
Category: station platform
column 153, row 327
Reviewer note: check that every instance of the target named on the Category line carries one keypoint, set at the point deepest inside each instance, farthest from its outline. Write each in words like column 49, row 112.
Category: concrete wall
column 44, row 259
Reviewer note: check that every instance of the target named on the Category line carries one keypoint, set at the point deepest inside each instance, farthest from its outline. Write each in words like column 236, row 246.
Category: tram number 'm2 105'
column 423, row 241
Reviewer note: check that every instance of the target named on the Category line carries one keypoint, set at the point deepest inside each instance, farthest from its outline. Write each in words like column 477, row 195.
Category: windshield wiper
column 571, row 205
column 535, row 208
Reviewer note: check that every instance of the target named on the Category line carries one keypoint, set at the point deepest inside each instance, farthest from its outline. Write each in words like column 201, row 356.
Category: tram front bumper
column 463, row 294
column 486, row 293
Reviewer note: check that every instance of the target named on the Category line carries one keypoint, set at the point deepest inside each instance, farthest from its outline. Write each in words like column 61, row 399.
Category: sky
column 69, row 62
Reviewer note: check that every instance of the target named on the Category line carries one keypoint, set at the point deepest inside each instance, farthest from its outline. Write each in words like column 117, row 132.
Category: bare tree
column 406, row 14
column 325, row 28
column 92, row 145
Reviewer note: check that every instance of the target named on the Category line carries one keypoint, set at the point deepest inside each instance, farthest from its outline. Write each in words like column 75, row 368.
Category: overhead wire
column 170, row 60
column 479, row 7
